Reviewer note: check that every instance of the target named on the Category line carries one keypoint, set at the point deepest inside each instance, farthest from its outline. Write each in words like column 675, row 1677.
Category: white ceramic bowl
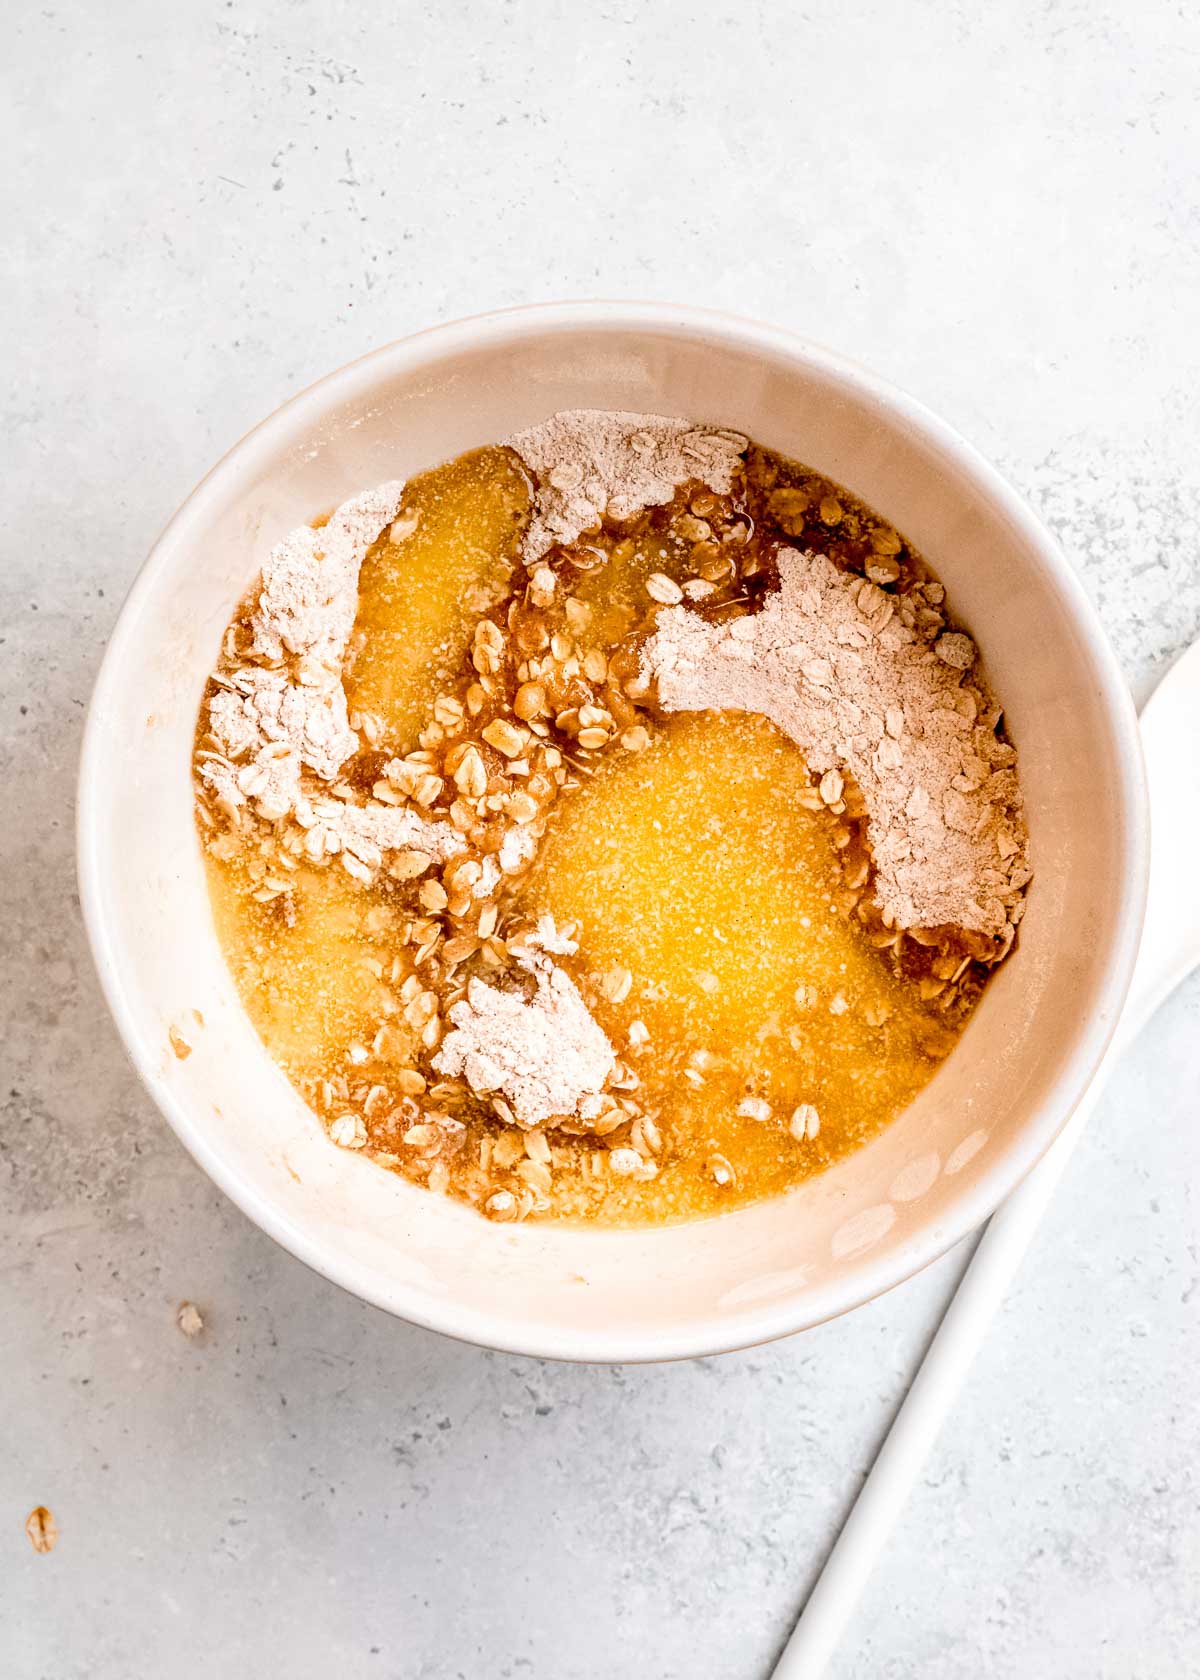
column 767, row 1270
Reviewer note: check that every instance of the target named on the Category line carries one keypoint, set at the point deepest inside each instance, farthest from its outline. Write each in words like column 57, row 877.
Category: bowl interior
column 985, row 1118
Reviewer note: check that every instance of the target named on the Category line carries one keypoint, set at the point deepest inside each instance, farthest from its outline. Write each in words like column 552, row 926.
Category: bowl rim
column 785, row 1315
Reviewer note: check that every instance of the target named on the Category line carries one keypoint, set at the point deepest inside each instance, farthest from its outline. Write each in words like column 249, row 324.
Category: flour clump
column 544, row 1053
column 590, row 463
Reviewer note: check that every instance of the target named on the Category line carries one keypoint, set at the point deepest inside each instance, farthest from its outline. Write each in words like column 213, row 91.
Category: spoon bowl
column 1170, row 945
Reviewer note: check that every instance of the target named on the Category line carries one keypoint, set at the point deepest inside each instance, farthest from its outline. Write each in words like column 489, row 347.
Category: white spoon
column 1169, row 950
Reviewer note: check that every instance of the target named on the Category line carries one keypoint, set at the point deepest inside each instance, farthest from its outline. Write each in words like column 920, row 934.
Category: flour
column 830, row 664
column 290, row 712
column 589, row 463
column 544, row 1053
column 516, row 849
column 309, row 592
column 255, row 705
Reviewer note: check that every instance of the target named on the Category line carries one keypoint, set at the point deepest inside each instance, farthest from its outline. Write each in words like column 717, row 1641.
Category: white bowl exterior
column 576, row 1292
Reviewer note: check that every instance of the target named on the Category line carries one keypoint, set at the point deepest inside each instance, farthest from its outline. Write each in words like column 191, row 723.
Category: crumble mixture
column 610, row 824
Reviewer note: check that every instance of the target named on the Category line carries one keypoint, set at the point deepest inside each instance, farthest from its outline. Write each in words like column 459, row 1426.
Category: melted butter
column 305, row 986
column 419, row 596
column 696, row 867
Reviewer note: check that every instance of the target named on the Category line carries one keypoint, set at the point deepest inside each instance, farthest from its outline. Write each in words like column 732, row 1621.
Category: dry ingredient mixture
column 612, row 824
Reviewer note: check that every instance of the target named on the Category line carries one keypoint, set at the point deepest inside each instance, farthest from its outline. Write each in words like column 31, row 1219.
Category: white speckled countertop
column 207, row 206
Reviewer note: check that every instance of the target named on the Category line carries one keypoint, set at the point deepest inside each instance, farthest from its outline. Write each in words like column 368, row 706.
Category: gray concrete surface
column 208, row 205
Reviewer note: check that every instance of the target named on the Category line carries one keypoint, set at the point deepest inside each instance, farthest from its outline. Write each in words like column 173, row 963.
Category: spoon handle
column 934, row 1390
column 1169, row 949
